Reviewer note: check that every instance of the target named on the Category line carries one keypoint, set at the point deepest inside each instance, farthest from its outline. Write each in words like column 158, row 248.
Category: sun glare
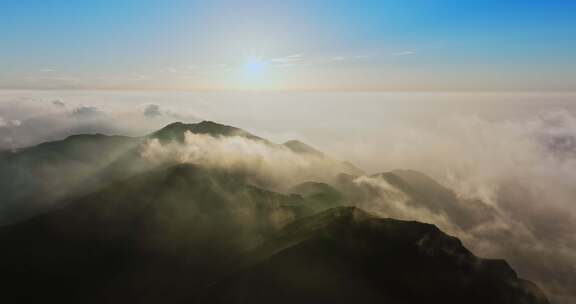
column 255, row 67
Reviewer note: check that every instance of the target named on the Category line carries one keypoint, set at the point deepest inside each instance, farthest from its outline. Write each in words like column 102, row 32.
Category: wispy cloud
column 9, row 123
column 50, row 80
column 283, row 65
column 404, row 53
column 142, row 77
column 86, row 111
column 287, row 59
column 342, row 58
column 58, row 103
column 154, row 111
column 172, row 70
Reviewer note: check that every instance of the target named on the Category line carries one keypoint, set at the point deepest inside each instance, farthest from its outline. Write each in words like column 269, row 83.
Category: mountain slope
column 321, row 195
column 300, row 147
column 122, row 229
column 188, row 234
column 167, row 231
column 424, row 191
column 33, row 179
column 345, row 255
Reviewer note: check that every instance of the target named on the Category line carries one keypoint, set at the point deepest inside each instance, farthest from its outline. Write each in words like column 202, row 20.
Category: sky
column 306, row 45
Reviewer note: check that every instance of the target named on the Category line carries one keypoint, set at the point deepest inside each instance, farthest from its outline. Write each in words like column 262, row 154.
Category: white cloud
column 275, row 165
column 404, row 53
column 9, row 123
column 516, row 157
column 283, row 65
column 287, row 59
column 174, row 70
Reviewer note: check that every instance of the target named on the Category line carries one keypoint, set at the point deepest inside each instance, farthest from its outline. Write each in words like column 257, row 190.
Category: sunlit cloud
column 287, row 59
column 142, row 77
column 255, row 67
column 404, row 53
column 173, row 70
column 284, row 65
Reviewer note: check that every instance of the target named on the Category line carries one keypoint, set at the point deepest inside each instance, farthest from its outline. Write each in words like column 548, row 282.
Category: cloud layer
column 511, row 163
column 274, row 166
column 521, row 170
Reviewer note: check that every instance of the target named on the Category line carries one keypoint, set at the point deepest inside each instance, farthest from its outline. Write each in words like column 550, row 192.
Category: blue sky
column 289, row 45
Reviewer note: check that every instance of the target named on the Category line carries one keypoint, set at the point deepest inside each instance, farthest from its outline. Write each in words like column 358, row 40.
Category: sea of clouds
column 515, row 154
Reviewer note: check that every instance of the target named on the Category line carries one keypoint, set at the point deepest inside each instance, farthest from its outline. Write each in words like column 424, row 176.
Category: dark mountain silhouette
column 300, row 147
column 345, row 255
column 124, row 231
column 322, row 195
column 31, row 178
column 34, row 179
column 177, row 227
column 183, row 234
column 176, row 131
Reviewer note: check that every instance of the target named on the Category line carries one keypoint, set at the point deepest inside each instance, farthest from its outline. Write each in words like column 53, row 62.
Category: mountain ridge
column 346, row 233
column 180, row 232
column 176, row 131
column 37, row 176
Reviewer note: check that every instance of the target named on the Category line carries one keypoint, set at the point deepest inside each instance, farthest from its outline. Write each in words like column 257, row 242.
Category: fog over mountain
column 301, row 151
column 499, row 180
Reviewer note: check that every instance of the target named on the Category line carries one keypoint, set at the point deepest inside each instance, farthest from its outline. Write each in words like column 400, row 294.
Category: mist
column 512, row 155
column 276, row 166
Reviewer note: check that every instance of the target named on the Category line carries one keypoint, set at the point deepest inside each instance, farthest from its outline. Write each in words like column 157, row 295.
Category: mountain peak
column 205, row 124
column 176, row 130
column 300, row 147
column 210, row 123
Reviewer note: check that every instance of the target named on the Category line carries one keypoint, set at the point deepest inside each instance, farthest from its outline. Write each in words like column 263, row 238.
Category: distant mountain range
column 91, row 219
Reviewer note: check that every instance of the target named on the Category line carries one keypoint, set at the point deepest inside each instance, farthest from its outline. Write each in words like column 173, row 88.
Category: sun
column 254, row 67
column 255, row 73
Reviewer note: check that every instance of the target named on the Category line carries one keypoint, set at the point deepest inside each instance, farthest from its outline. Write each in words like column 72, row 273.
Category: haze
column 480, row 96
